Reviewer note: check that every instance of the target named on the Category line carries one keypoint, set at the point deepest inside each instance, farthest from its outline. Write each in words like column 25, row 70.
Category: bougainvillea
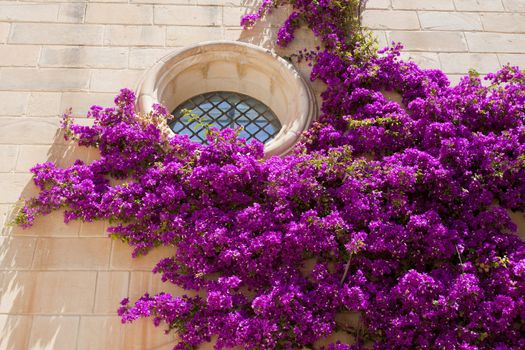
column 397, row 212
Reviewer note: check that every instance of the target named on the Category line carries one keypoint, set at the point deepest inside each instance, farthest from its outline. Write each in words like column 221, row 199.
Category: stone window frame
column 238, row 67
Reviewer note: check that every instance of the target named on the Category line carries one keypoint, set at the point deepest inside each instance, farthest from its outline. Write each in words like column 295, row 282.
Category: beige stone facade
column 60, row 284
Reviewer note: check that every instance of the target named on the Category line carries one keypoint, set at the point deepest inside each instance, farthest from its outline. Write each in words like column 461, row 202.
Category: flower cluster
column 394, row 211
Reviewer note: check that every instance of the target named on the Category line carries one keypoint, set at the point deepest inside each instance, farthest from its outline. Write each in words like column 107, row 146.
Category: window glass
column 222, row 109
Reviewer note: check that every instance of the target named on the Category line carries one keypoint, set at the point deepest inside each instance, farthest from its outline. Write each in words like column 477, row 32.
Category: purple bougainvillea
column 396, row 211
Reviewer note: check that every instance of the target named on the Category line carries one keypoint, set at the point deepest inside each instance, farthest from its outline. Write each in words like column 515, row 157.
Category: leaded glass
column 221, row 109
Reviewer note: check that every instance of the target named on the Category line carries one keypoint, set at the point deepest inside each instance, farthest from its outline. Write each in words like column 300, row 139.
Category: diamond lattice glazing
column 222, row 110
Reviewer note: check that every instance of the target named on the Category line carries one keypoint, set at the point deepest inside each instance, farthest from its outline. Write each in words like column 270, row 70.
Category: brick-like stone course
column 56, row 34
column 19, row 55
column 84, row 57
column 133, row 36
column 34, row 79
column 495, row 42
column 17, row 12
column 384, row 19
column 479, row 5
column 458, row 63
column 514, row 5
column 504, row 22
column 458, row 21
column 468, row 34
column 54, row 332
column 119, row 14
column 60, row 284
column 423, row 5
column 188, row 15
column 438, row 41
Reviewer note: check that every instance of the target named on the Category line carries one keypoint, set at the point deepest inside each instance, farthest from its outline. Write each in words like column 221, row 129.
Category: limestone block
column 219, row 2
column 65, row 34
column 381, row 37
column 54, row 332
column 5, row 210
column 15, row 330
column 28, row 130
column 146, row 282
column 16, row 12
column 188, row 15
column 201, row 2
column 100, row 332
column 167, row 2
column 16, row 253
column 119, row 13
column 44, row 104
column 305, row 38
column 4, row 32
column 519, row 219
column 114, row 80
column 238, row 34
column 338, row 336
column 62, row 155
column 378, row 4
column 12, row 186
column 393, row 96
column 185, row 36
column 191, row 2
column 72, row 12
column 38, row 292
column 92, row 57
column 121, row 257
column 81, row 102
column 495, row 42
column 504, row 22
column 72, row 253
column 514, row 5
column 454, row 78
column 264, row 37
column 112, row 287
column 142, row 335
column 93, row 229
column 44, row 79
column 434, row 20
column 478, row 5
column 13, row 103
column 429, row 41
column 19, row 55
column 8, row 155
column 426, row 60
column 116, row 35
column 423, row 4
column 462, row 62
column 141, row 58
column 512, row 59
column 232, row 16
column 51, row 225
column 379, row 19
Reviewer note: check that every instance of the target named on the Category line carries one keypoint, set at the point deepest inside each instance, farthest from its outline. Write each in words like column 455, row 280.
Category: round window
column 231, row 84
column 224, row 109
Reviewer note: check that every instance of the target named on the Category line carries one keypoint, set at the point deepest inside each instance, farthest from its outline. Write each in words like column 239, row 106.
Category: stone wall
column 453, row 35
column 60, row 284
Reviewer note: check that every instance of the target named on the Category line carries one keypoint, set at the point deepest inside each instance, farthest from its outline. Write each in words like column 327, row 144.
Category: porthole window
column 231, row 84
column 225, row 109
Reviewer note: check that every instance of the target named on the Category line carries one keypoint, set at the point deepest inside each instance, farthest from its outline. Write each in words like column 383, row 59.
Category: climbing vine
column 396, row 213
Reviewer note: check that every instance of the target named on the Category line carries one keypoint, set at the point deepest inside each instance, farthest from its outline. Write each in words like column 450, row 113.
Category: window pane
column 222, row 110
